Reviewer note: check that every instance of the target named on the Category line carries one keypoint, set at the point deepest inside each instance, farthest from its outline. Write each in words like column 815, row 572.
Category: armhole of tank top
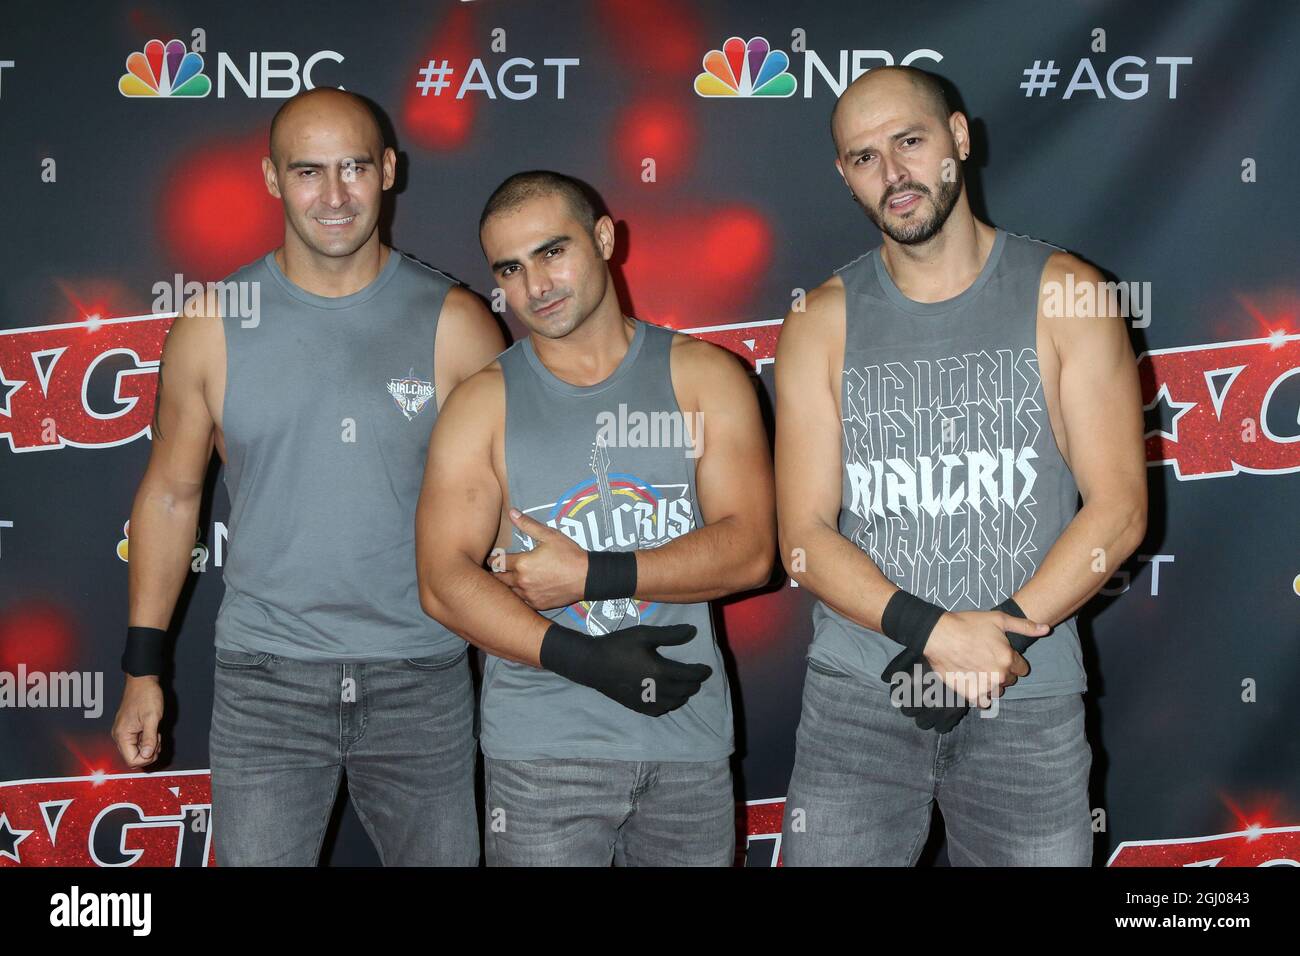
column 669, row 338
column 504, row 359
column 225, row 387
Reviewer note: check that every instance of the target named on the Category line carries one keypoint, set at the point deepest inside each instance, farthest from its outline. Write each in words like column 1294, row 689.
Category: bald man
column 936, row 422
column 320, row 405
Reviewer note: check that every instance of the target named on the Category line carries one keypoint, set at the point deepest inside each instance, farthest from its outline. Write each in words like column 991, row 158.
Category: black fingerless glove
column 908, row 620
column 626, row 666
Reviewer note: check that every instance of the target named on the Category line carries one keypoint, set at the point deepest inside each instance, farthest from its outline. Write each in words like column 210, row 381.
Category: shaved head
column 328, row 105
column 330, row 168
column 885, row 82
column 536, row 183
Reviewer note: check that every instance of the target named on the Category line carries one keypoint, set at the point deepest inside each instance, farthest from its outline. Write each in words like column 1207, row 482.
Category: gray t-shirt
column 951, row 480
column 603, row 464
column 328, row 409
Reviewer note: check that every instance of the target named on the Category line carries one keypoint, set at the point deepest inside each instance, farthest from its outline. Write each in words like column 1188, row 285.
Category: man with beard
column 615, row 475
column 320, row 405
column 935, row 423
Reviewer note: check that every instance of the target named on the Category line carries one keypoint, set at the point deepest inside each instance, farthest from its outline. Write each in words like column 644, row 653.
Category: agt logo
column 172, row 70
column 745, row 68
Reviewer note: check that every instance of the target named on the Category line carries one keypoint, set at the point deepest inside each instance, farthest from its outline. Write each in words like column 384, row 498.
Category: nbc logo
column 745, row 69
column 160, row 70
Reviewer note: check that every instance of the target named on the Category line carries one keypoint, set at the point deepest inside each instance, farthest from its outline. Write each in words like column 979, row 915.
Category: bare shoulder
column 464, row 307
column 479, row 399
column 196, row 338
column 699, row 363
column 812, row 337
column 818, row 321
column 1061, row 265
column 1076, row 302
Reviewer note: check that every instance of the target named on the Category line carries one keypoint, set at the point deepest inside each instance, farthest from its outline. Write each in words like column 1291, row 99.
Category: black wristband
column 908, row 620
column 1020, row 642
column 610, row 575
column 143, row 656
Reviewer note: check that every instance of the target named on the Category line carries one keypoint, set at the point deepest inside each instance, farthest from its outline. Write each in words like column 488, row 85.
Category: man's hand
column 135, row 729
column 553, row 574
column 967, row 644
column 626, row 666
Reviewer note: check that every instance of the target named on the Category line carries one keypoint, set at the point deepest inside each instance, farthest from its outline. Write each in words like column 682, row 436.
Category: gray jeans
column 1013, row 789
column 284, row 731
column 585, row 812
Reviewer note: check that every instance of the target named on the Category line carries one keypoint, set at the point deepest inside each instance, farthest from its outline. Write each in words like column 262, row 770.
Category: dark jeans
column 587, row 812
column 284, row 731
column 1013, row 788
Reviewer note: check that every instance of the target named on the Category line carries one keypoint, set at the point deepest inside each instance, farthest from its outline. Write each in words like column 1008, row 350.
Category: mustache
column 535, row 304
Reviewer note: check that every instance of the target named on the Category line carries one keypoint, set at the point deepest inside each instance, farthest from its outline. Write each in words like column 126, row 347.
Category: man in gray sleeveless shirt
column 615, row 476
column 936, row 420
column 321, row 405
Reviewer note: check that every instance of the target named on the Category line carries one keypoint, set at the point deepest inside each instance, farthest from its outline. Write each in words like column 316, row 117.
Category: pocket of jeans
column 824, row 668
column 438, row 662
column 241, row 659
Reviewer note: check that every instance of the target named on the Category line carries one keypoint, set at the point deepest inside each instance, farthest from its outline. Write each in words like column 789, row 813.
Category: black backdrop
column 1161, row 149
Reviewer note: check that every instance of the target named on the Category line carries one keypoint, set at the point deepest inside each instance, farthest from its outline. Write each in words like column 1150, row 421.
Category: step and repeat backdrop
column 1156, row 140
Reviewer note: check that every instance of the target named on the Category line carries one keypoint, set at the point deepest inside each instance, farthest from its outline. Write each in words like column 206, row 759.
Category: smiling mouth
column 547, row 309
column 335, row 222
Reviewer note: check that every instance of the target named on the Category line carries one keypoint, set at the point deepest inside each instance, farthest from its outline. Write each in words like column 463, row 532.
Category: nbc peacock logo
column 743, row 68
column 164, row 70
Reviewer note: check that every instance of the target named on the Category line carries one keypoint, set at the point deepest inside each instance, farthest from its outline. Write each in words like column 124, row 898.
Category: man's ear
column 603, row 233
column 960, row 130
column 390, row 167
column 271, row 176
column 839, row 168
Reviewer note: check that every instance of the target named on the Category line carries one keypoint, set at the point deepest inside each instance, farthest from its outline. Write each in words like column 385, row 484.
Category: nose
column 893, row 170
column 539, row 283
column 335, row 191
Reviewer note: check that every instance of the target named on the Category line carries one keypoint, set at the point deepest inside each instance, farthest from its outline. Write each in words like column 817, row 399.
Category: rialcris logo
column 164, row 70
column 743, row 68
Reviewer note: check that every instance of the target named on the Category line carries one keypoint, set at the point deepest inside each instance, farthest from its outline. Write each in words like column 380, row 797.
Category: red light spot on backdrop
column 761, row 620
column 216, row 213
column 654, row 128
column 433, row 119
column 695, row 266
column 37, row 634
column 662, row 37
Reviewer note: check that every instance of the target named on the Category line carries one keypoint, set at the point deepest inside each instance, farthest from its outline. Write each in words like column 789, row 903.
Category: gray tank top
column 951, row 478
column 605, row 465
column 328, row 409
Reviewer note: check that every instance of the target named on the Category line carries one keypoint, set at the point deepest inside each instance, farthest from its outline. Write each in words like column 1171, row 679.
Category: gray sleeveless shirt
column 951, row 480
column 610, row 466
column 328, row 409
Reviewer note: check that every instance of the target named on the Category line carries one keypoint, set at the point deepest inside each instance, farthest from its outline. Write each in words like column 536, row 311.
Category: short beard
column 913, row 232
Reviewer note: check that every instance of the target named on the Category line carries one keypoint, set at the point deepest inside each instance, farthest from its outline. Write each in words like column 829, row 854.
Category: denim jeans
column 1013, row 788
column 284, row 732
column 588, row 812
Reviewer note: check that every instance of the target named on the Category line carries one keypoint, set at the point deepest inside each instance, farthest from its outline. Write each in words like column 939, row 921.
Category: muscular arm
column 165, row 513
column 1088, row 362
column 809, row 357
column 456, row 525
column 467, row 339
column 166, row 508
column 733, row 481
